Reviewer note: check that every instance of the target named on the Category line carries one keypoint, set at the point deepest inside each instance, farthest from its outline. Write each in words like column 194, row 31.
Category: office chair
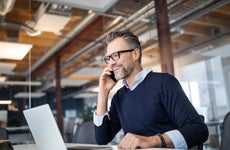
column 225, row 144
column 4, row 134
column 85, row 133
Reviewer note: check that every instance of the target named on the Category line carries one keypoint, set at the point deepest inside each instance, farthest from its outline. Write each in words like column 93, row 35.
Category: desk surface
column 33, row 147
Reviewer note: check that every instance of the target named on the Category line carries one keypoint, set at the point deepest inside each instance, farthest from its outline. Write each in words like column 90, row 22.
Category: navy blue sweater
column 156, row 105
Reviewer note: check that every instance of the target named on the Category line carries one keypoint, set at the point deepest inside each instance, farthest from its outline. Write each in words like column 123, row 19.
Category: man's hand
column 133, row 141
column 105, row 85
column 105, row 82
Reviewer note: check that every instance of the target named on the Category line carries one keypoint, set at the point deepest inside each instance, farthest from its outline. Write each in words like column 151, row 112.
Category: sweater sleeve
column 183, row 113
column 109, row 128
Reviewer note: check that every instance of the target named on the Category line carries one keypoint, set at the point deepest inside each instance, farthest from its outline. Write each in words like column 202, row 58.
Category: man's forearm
column 102, row 103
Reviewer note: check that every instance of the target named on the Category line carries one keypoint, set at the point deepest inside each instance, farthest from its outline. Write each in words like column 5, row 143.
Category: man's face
column 124, row 66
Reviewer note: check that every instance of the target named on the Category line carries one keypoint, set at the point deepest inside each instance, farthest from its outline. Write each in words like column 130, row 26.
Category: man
column 13, row 106
column 151, row 108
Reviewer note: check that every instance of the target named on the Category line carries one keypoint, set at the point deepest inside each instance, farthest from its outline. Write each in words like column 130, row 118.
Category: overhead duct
column 6, row 6
column 16, row 26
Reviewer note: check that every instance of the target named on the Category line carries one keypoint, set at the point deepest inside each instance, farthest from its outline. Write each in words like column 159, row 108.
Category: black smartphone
column 112, row 76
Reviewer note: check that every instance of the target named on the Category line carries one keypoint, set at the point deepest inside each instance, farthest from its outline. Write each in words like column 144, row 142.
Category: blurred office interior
column 59, row 46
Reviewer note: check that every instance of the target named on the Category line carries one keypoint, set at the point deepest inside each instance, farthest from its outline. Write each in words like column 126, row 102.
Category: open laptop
column 46, row 133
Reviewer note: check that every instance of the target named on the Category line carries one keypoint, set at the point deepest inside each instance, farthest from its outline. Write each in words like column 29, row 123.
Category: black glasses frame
column 107, row 58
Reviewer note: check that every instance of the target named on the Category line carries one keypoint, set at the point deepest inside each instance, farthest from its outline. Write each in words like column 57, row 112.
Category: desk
column 33, row 147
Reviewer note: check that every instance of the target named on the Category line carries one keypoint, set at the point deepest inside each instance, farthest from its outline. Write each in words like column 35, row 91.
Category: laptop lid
column 44, row 128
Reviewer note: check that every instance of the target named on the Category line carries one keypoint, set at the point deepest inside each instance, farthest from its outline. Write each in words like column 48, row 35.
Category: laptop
column 46, row 133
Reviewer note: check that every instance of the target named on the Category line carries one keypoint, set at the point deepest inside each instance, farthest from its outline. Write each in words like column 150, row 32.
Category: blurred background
column 51, row 51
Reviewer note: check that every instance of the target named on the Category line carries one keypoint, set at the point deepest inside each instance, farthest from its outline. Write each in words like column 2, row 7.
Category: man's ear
column 137, row 54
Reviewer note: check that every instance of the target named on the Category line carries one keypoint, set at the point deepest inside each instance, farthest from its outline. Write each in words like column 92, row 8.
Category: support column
column 58, row 93
column 164, row 37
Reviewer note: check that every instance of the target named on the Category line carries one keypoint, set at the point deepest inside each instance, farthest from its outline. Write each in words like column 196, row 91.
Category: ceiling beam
column 197, row 30
column 212, row 20
column 224, row 9
column 83, row 77
column 186, row 39
column 47, row 39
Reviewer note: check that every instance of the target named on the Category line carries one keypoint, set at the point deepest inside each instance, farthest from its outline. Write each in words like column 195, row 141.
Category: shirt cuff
column 99, row 119
column 177, row 139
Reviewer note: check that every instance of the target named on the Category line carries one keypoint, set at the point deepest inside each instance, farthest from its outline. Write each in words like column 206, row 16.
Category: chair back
column 225, row 144
column 4, row 134
column 85, row 133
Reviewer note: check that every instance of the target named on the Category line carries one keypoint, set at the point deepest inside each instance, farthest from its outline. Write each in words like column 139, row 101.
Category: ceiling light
column 95, row 5
column 6, row 68
column 51, row 18
column 85, row 95
column 51, row 23
column 2, row 78
column 28, row 95
column 93, row 89
column 5, row 102
column 21, row 83
column 15, row 51
column 89, row 71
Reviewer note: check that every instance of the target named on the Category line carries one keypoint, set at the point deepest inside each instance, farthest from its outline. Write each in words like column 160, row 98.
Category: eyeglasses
column 116, row 55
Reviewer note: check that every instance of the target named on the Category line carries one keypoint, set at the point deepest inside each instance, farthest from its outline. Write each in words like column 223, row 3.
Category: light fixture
column 21, row 83
column 27, row 95
column 2, row 78
column 6, row 68
column 85, row 95
column 15, row 51
column 93, row 89
column 95, row 5
column 5, row 102
column 51, row 17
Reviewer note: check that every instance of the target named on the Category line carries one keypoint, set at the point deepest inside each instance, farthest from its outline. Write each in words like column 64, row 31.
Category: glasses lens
column 106, row 59
column 115, row 56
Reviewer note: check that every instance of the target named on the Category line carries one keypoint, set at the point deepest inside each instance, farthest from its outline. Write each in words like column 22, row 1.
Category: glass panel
column 204, row 82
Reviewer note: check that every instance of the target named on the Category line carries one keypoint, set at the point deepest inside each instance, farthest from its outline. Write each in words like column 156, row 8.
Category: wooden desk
column 33, row 147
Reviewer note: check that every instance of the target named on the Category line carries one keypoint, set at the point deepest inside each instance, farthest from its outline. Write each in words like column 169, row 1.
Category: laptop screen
column 46, row 133
column 44, row 128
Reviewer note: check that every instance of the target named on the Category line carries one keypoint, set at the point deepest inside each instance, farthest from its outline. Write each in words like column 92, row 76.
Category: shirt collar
column 138, row 78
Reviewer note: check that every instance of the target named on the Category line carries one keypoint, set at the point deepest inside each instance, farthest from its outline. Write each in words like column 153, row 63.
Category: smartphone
column 112, row 76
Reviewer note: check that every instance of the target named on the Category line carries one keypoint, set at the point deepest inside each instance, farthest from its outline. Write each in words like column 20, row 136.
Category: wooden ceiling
column 194, row 24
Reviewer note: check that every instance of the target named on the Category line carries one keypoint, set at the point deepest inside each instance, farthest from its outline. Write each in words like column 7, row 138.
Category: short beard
column 125, row 73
